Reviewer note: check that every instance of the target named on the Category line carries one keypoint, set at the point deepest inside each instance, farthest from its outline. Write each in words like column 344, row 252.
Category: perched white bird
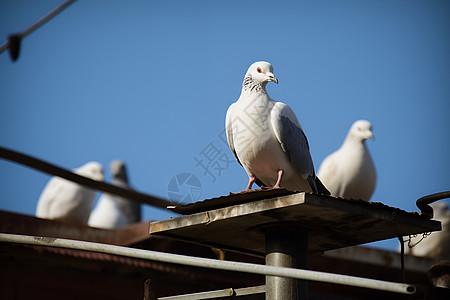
column 114, row 211
column 437, row 244
column 266, row 138
column 349, row 172
column 64, row 200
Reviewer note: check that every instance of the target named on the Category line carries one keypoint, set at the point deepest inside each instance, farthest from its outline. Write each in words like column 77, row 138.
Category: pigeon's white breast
column 107, row 214
column 358, row 176
column 255, row 143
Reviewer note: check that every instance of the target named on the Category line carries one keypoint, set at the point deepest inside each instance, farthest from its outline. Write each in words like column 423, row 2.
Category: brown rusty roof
column 135, row 235
column 30, row 225
column 356, row 261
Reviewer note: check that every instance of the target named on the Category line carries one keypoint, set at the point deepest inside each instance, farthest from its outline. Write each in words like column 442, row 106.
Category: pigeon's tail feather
column 260, row 183
column 321, row 189
column 312, row 184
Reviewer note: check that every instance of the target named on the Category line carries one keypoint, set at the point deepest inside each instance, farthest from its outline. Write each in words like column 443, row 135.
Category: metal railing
column 354, row 281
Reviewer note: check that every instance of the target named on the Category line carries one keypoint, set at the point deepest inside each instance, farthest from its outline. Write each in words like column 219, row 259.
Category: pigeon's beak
column 372, row 137
column 272, row 77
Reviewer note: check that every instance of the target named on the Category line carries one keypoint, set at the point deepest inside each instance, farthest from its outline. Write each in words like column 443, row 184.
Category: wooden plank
column 332, row 223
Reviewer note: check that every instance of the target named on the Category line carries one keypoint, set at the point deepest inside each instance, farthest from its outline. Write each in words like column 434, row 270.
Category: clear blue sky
column 150, row 82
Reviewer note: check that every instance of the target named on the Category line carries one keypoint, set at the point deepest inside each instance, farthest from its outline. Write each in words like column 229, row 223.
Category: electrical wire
column 18, row 37
column 90, row 183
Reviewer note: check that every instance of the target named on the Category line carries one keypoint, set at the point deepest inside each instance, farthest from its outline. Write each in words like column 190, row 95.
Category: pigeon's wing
column 229, row 131
column 293, row 141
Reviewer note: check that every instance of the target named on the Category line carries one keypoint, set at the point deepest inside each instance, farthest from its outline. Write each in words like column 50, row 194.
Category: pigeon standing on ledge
column 115, row 211
column 349, row 172
column 65, row 200
column 266, row 138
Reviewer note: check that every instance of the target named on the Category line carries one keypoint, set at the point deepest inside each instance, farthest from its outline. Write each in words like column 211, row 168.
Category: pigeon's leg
column 278, row 183
column 280, row 176
column 251, row 181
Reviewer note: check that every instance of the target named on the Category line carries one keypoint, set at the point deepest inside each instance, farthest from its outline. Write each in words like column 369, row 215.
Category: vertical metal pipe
column 149, row 290
column 286, row 247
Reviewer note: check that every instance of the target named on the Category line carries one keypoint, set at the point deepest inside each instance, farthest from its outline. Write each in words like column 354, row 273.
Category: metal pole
column 150, row 290
column 393, row 287
column 286, row 247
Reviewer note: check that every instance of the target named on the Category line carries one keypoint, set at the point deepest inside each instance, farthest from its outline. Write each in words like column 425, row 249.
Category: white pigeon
column 437, row 244
column 349, row 172
column 113, row 211
column 266, row 138
column 65, row 200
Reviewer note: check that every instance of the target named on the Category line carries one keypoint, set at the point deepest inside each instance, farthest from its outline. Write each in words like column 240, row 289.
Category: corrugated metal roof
column 331, row 222
column 260, row 194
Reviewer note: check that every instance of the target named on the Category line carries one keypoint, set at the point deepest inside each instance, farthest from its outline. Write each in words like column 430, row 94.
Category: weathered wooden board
column 332, row 223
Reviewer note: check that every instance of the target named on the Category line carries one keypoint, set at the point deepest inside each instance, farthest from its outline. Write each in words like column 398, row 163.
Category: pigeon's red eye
column 259, row 70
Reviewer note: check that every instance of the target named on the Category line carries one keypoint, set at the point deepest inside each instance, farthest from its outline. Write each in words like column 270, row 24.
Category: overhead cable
column 14, row 40
column 87, row 182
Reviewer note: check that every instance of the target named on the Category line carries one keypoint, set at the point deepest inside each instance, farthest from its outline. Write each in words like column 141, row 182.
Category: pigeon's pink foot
column 267, row 188
column 278, row 183
column 245, row 191
column 251, row 181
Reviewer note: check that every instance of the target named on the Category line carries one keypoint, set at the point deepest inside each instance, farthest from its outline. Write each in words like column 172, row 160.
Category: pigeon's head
column 362, row 130
column 258, row 75
column 118, row 170
column 92, row 170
